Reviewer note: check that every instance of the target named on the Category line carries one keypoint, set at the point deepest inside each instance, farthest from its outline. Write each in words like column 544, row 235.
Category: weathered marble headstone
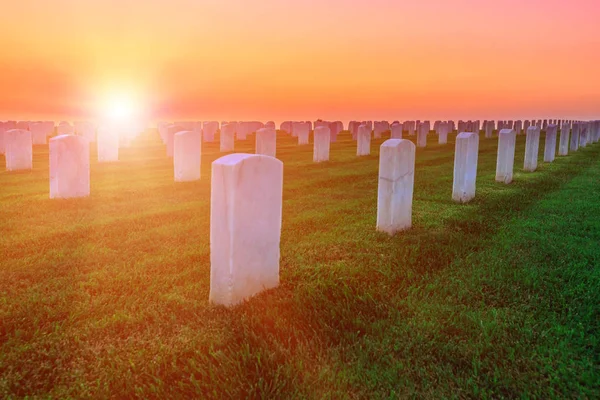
column 489, row 129
column 302, row 131
column 363, row 143
column 245, row 226
column 442, row 131
column 396, row 184
column 266, row 142
column 69, row 167
column 574, row 145
column 38, row 133
column 396, row 131
column 187, row 156
column 19, row 150
column 321, row 144
column 465, row 166
column 583, row 134
column 518, row 126
column 532, row 146
column 550, row 143
column 209, row 129
column 227, row 138
column 506, row 155
column 422, row 135
column 108, row 144
column 563, row 145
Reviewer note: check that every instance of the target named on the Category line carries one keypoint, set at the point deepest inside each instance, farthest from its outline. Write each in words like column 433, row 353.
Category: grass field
column 107, row 296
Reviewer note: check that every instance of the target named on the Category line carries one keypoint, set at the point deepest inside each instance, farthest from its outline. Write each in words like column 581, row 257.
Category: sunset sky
column 284, row 59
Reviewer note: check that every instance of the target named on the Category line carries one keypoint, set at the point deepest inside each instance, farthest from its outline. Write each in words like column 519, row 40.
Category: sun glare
column 120, row 109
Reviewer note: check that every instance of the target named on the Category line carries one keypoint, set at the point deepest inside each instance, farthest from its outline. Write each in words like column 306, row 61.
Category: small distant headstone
column 322, row 143
column 187, row 156
column 266, row 142
column 19, row 150
column 69, row 167
column 227, row 138
column 363, row 144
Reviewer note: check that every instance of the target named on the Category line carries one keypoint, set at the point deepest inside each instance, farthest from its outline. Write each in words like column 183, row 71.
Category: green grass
column 108, row 296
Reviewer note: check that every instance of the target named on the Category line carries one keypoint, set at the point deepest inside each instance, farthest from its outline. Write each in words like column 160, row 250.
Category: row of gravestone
column 246, row 200
column 246, row 193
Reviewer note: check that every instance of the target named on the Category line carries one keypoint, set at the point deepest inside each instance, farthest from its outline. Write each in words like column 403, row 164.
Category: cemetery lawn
column 108, row 296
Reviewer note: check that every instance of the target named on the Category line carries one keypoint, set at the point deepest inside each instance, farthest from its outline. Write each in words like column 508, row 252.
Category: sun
column 120, row 109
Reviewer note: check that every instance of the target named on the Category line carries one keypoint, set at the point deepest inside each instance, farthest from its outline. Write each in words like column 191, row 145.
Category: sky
column 300, row 60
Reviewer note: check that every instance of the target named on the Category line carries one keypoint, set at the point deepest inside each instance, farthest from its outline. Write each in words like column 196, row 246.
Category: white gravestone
column 245, row 226
column 226, row 139
column 550, row 143
column 108, row 145
column 266, row 142
column 443, row 128
column 38, row 133
column 396, row 184
column 322, row 143
column 532, row 146
column 563, row 144
column 363, row 142
column 187, row 156
column 209, row 129
column 574, row 144
column 506, row 155
column 302, row 131
column 422, row 135
column 19, row 150
column 69, row 167
column 396, row 131
column 465, row 166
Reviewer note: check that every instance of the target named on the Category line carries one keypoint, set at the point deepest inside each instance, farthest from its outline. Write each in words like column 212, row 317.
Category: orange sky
column 284, row 59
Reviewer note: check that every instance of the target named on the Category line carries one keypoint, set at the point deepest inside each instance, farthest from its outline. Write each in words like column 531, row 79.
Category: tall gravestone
column 422, row 135
column 574, row 145
column 226, row 139
column 396, row 184
column 465, row 166
column 322, row 144
column 19, row 150
column 506, row 155
column 69, row 167
column 266, row 142
column 489, row 129
column 396, row 131
column 443, row 129
column 108, row 145
column 187, row 156
column 245, row 226
column 563, row 144
column 38, row 133
column 532, row 146
column 302, row 130
column 209, row 129
column 363, row 143
column 550, row 143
